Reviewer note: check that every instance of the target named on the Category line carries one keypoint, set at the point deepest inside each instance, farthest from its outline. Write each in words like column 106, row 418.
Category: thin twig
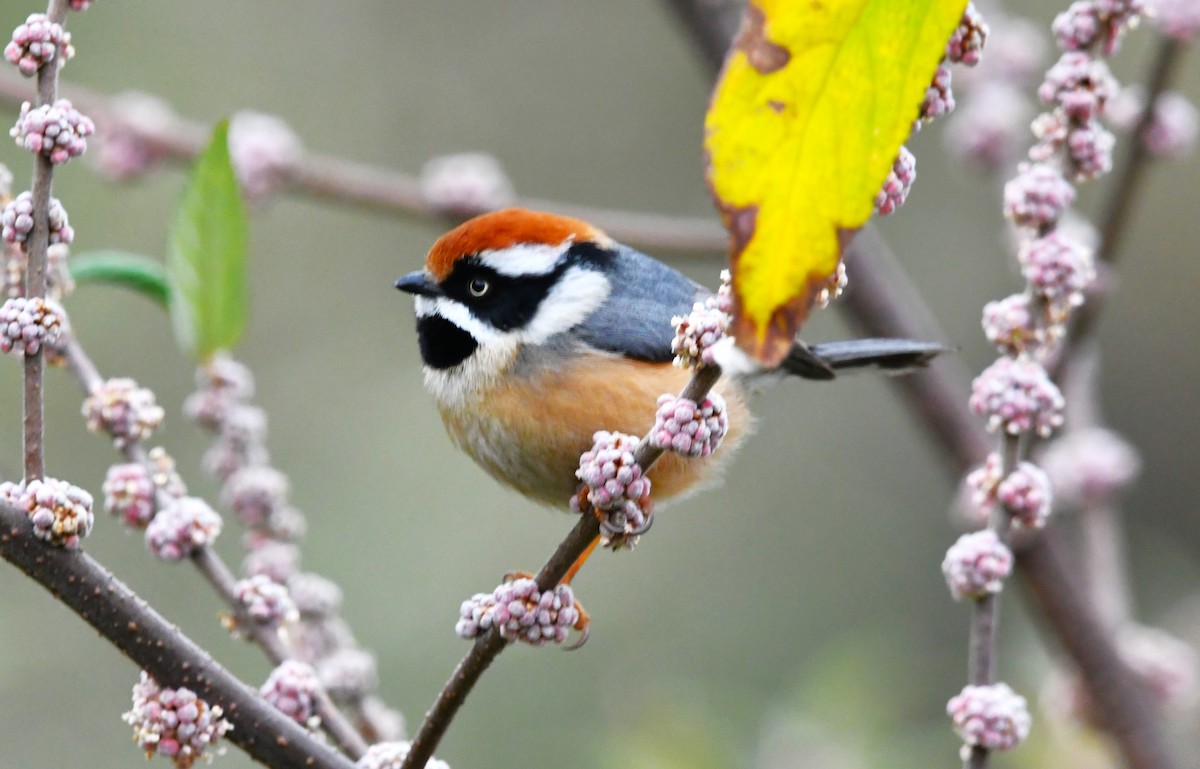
column 34, row 416
column 159, row 647
column 488, row 646
column 333, row 721
column 217, row 573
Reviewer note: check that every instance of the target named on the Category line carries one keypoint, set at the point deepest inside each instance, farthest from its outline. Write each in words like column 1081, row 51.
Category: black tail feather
column 823, row 361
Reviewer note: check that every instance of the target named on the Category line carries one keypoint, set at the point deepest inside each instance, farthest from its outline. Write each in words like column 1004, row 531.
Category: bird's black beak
column 419, row 283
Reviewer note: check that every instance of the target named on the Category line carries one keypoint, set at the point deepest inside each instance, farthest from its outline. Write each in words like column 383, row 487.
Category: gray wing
column 635, row 321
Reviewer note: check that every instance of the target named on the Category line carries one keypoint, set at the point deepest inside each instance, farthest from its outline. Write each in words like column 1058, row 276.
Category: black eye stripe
column 511, row 302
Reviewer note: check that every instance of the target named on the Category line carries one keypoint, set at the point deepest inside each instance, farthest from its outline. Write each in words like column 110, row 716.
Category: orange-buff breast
column 528, row 433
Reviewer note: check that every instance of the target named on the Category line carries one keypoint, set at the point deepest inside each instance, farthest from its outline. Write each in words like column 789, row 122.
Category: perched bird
column 538, row 330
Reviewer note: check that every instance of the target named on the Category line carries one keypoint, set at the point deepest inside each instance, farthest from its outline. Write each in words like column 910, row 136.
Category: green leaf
column 206, row 255
column 119, row 268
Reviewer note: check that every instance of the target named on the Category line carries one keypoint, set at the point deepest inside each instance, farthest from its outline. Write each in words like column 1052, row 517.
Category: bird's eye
column 479, row 287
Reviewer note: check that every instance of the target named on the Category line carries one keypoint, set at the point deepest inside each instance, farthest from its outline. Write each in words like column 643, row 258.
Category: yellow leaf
column 814, row 101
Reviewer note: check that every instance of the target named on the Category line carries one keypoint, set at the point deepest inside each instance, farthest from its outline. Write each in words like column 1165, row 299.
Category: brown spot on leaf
column 776, row 105
column 763, row 55
column 779, row 336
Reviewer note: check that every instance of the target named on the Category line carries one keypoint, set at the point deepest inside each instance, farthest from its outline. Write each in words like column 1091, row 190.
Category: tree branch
column 159, row 647
column 344, row 182
column 488, row 646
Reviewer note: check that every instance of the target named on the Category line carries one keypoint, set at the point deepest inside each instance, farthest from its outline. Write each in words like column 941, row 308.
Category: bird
column 537, row 330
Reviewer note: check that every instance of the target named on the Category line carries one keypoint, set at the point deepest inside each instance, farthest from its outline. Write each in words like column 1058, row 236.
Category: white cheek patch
column 524, row 258
column 458, row 314
column 574, row 297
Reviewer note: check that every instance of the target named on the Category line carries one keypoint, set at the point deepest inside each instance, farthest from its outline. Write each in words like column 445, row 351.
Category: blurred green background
column 796, row 616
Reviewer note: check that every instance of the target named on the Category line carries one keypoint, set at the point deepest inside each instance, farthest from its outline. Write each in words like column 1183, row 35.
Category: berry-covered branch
column 157, row 646
column 490, row 643
column 187, row 526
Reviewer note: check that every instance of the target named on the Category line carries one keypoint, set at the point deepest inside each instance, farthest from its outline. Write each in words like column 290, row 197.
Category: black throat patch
column 443, row 344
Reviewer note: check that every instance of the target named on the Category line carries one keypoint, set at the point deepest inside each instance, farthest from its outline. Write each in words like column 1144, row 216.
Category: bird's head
column 506, row 279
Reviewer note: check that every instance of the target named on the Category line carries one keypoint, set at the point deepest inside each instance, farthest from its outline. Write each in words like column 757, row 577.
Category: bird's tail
column 824, row 361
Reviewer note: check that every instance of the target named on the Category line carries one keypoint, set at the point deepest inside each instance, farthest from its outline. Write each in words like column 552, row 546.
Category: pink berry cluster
column 1011, row 324
column 29, row 325
column 1058, row 269
column 1178, row 19
column 1017, row 396
column 976, row 565
column 258, row 496
column 61, row 513
column 1096, row 24
column 131, row 490
column 124, row 152
column 391, row 755
column 616, row 487
column 1037, row 197
column 16, row 221
column 182, row 528
column 221, row 404
column 520, row 612
column 266, row 601
column 264, row 151
column 129, row 493
column 898, row 183
column 1090, row 467
column 348, row 674
column 967, row 42
column 292, row 688
column 465, row 184
column 38, row 42
column 987, row 132
column 1025, row 493
column 58, row 131
column 175, row 723
column 125, row 411
column 992, row 717
column 696, row 334
column 688, row 428
column 1026, row 496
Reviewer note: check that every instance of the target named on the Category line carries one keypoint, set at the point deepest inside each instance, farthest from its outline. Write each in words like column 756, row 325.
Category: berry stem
column 489, row 645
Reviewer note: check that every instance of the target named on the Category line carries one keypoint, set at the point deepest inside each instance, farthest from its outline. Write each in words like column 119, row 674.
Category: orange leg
column 575, row 567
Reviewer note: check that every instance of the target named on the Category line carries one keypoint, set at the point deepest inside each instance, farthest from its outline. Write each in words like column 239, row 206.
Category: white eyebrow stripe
column 458, row 314
column 524, row 258
column 574, row 297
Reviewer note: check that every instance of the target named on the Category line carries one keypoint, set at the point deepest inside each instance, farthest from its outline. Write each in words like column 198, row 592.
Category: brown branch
column 33, row 419
column 1125, row 707
column 488, row 646
column 711, row 24
column 158, row 647
column 334, row 180
column 881, row 301
column 1118, row 209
